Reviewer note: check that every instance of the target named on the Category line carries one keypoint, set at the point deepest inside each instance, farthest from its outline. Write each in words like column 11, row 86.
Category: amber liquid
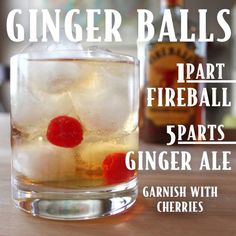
column 87, row 90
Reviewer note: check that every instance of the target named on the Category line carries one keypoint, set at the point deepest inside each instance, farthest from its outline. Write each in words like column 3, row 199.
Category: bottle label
column 162, row 72
column 171, row 3
column 174, row 2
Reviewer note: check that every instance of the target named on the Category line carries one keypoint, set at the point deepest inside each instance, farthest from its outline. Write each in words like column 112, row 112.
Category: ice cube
column 53, row 76
column 94, row 150
column 95, row 153
column 36, row 109
column 41, row 161
column 51, row 46
column 51, row 66
column 104, row 100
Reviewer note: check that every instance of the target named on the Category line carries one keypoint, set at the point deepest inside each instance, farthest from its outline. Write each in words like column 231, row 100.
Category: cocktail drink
column 74, row 117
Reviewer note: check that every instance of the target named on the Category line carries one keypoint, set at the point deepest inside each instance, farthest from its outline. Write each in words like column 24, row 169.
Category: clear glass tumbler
column 74, row 116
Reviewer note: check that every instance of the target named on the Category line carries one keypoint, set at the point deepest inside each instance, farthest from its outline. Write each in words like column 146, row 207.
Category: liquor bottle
column 161, row 71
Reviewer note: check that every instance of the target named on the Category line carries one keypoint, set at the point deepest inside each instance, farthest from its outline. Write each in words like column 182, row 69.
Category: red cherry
column 115, row 170
column 65, row 131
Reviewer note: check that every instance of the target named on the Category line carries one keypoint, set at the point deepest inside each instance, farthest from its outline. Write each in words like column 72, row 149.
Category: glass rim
column 73, row 54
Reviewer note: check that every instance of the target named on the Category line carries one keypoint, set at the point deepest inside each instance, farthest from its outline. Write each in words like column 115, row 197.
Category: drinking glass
column 74, row 116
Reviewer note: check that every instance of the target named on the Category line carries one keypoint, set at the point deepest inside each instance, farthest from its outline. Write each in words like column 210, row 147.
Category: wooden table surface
column 218, row 219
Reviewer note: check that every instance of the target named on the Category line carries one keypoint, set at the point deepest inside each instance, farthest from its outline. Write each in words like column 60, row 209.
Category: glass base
column 82, row 204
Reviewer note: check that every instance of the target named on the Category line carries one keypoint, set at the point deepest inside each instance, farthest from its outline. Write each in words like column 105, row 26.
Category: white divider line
column 211, row 81
column 207, row 142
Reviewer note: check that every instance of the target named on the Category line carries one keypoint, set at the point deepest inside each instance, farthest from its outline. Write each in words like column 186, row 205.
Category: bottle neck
column 173, row 5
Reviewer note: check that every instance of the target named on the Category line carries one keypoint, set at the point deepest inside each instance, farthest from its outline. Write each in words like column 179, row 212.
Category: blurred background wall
column 216, row 52
column 127, row 9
